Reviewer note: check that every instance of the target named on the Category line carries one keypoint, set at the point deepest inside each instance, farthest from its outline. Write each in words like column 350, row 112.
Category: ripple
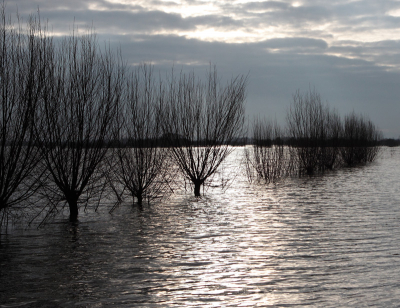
column 323, row 241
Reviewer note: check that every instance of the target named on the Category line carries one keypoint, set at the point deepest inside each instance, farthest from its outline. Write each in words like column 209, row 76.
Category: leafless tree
column 305, row 122
column 75, row 122
column 359, row 140
column 320, row 139
column 21, row 84
column 268, row 158
column 330, row 142
column 142, row 167
column 201, row 120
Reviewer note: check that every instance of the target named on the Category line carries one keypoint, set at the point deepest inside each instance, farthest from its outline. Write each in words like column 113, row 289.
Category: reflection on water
column 324, row 241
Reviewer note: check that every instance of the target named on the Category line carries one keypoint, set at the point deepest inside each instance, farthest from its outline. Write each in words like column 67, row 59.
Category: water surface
column 322, row 241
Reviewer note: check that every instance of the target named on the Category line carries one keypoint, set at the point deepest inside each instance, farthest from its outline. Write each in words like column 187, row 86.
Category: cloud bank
column 348, row 50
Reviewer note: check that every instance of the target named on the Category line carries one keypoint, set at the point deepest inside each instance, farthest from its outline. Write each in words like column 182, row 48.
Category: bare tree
column 330, row 141
column 305, row 121
column 141, row 165
column 202, row 119
column 267, row 158
column 359, row 140
column 374, row 135
column 21, row 83
column 80, row 101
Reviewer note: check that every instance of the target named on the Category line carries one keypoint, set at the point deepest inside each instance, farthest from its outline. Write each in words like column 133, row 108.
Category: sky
column 348, row 51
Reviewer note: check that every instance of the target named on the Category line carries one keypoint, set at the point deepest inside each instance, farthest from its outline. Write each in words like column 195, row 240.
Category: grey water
column 321, row 241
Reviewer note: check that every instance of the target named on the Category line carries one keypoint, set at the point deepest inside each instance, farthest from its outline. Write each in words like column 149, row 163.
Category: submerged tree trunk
column 73, row 209
column 139, row 199
column 197, row 186
column 310, row 170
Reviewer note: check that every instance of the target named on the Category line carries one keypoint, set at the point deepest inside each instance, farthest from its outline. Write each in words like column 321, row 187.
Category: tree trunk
column 197, row 185
column 309, row 170
column 139, row 199
column 73, row 209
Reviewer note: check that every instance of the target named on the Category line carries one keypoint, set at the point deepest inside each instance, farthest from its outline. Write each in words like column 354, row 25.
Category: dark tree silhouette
column 360, row 140
column 267, row 158
column 321, row 141
column 305, row 122
column 80, row 102
column 330, row 144
column 141, row 165
column 201, row 120
column 21, row 83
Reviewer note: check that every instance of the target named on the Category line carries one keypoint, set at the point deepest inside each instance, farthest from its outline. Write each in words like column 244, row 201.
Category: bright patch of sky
column 364, row 21
column 242, row 21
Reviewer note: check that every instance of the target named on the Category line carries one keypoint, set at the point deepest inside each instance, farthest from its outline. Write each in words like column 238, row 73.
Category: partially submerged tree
column 75, row 122
column 142, row 167
column 360, row 140
column 201, row 120
column 305, row 123
column 21, row 83
column 321, row 141
column 267, row 157
column 330, row 145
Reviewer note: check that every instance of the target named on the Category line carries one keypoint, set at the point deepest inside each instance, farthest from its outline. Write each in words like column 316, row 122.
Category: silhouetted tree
column 141, row 165
column 80, row 103
column 21, row 83
column 330, row 140
column 201, row 119
column 305, row 123
column 267, row 158
column 360, row 140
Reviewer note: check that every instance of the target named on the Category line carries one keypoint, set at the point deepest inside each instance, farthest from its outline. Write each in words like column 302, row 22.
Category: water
column 325, row 241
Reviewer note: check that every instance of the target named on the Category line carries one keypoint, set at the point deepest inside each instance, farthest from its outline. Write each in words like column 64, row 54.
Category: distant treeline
column 176, row 142
column 243, row 141
column 286, row 141
column 389, row 142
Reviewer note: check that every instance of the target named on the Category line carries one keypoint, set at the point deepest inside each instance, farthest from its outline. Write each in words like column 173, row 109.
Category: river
column 321, row 241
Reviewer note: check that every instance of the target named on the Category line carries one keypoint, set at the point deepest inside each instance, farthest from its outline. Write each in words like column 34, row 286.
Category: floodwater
column 322, row 241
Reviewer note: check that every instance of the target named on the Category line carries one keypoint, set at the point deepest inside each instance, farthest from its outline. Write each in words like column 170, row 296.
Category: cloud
column 296, row 43
column 348, row 50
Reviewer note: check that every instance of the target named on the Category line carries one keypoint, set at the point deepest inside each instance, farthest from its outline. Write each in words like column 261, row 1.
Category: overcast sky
column 349, row 51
